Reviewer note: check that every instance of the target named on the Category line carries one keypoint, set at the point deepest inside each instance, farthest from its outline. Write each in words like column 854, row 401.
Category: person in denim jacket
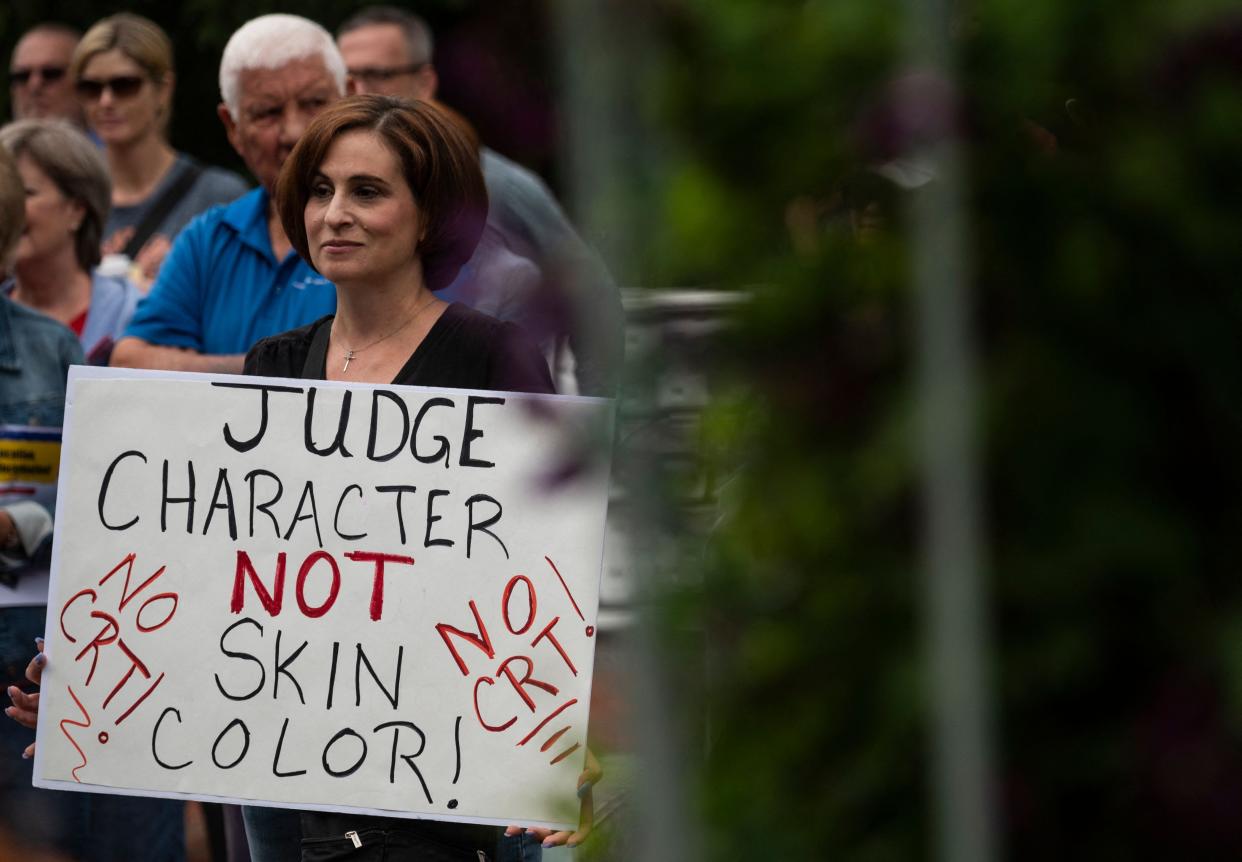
column 35, row 355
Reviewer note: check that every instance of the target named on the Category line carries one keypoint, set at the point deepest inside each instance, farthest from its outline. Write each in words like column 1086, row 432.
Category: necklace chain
column 351, row 352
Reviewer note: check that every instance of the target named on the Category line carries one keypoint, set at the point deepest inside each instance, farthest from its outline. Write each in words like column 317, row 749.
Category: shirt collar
column 248, row 216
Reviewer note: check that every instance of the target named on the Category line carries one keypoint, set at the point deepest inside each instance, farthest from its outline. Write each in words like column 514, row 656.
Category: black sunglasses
column 122, row 86
column 21, row 77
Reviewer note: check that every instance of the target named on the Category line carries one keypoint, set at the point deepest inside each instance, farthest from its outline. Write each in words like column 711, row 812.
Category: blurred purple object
column 914, row 112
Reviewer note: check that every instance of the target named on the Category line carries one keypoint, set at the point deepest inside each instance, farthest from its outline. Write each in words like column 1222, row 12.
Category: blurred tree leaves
column 1103, row 175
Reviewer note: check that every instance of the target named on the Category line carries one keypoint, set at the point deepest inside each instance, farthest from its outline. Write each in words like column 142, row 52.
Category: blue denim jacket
column 35, row 355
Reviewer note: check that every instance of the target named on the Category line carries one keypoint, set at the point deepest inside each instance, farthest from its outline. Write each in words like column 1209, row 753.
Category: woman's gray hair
column 75, row 165
column 269, row 42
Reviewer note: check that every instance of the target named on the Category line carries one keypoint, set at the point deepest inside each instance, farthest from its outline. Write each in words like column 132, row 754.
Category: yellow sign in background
column 29, row 460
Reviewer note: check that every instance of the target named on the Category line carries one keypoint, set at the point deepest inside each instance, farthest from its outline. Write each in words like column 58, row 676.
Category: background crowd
column 129, row 252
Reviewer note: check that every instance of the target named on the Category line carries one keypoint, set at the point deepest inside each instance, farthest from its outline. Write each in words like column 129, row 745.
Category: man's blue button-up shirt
column 221, row 288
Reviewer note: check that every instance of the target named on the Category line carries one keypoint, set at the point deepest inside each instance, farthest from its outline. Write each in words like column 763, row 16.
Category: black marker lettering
column 405, row 424
column 282, row 668
column 336, row 652
column 350, row 770
column 408, row 758
column 280, row 743
column 470, row 434
column 247, row 445
column 308, row 493
column 398, row 490
column 188, row 500
column 432, row 518
column 444, row 450
column 265, row 508
column 336, row 518
column 222, row 481
column 482, row 526
column 237, row 722
column 394, row 695
column 156, row 732
column 242, row 655
column 107, row 480
column 342, row 423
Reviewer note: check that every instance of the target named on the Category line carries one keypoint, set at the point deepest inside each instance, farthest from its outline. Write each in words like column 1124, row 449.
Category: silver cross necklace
column 351, row 352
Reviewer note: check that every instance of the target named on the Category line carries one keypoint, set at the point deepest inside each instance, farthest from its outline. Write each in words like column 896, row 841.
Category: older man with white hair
column 232, row 276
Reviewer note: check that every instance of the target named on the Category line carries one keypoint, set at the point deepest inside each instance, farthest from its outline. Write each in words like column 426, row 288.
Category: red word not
column 273, row 599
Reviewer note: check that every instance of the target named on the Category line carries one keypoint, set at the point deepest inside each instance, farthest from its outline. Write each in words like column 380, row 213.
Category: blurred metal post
column 603, row 55
column 957, row 644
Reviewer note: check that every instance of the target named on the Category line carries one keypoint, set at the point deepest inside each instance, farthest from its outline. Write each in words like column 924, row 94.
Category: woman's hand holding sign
column 586, row 812
column 25, row 708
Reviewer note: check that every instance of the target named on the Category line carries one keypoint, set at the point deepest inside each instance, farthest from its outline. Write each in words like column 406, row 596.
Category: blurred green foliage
column 1101, row 147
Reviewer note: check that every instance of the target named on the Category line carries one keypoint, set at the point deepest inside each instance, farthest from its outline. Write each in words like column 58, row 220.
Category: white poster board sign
column 318, row 595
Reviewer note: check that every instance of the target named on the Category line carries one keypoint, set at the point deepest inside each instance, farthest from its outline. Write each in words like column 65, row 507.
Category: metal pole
column 602, row 53
column 960, row 727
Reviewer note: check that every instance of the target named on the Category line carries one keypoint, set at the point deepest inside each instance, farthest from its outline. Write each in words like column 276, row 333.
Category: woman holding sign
column 386, row 200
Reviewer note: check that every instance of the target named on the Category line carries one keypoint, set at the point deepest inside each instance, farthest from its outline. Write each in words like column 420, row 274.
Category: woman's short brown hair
column 440, row 167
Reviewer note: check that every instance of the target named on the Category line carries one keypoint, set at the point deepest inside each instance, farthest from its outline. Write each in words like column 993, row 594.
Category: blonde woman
column 123, row 75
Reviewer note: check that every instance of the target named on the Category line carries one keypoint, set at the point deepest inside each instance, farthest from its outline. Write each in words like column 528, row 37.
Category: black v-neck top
column 465, row 349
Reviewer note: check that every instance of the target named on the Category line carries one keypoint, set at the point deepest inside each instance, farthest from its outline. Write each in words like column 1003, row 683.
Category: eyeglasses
column 379, row 73
column 122, row 86
column 21, row 77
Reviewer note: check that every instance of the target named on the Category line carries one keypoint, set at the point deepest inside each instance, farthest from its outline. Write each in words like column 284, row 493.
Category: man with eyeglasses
column 389, row 51
column 39, row 85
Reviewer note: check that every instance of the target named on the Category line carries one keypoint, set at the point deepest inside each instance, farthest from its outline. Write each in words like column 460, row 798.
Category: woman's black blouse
column 465, row 349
